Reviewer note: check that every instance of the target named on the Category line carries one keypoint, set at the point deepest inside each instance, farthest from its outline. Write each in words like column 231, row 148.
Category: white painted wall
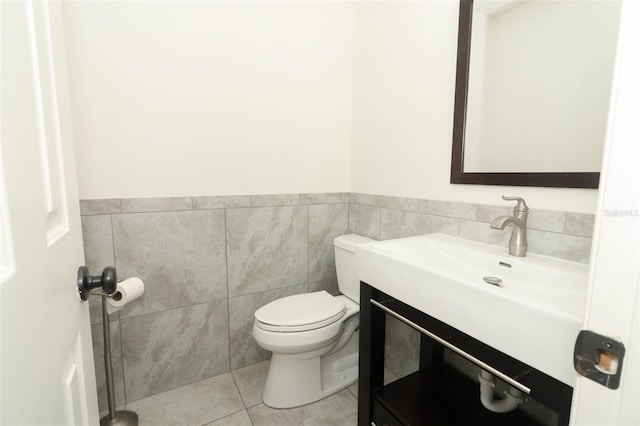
column 213, row 98
column 176, row 98
column 403, row 89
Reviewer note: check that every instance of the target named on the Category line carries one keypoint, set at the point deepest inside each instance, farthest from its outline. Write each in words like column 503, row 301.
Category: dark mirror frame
column 551, row 179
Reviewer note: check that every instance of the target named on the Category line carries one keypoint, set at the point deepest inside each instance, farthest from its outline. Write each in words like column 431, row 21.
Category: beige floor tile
column 336, row 410
column 194, row 404
column 238, row 419
column 250, row 381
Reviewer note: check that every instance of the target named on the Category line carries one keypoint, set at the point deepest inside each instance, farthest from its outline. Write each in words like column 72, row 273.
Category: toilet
column 313, row 337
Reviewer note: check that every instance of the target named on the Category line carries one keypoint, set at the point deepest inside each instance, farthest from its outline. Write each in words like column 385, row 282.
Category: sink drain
column 492, row 280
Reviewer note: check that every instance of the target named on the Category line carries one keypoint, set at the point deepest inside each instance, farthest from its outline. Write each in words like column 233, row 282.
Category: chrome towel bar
column 455, row 349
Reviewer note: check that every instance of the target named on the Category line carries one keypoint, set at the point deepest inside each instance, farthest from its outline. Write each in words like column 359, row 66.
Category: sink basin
column 534, row 314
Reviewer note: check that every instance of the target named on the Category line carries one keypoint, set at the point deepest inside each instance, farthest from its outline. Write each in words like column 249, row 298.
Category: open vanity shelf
column 438, row 394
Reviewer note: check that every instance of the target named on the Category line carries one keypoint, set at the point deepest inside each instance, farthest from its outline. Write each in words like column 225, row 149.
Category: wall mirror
column 533, row 82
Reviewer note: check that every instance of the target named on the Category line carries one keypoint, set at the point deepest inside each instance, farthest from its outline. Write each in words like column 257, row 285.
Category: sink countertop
column 534, row 316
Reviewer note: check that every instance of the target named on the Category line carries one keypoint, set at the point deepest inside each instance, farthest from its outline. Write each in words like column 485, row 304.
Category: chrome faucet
column 518, row 241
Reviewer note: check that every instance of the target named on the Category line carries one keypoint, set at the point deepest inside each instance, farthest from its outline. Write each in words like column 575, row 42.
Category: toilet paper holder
column 108, row 281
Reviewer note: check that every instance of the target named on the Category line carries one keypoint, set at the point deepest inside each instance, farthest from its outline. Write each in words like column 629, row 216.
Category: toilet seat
column 301, row 312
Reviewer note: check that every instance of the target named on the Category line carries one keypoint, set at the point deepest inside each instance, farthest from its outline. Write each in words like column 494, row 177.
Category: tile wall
column 552, row 233
column 209, row 262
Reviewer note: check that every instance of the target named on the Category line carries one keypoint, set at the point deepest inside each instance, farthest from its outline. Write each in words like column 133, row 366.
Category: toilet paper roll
column 126, row 291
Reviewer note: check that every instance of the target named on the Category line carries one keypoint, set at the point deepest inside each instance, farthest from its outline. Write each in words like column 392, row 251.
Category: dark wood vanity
column 438, row 394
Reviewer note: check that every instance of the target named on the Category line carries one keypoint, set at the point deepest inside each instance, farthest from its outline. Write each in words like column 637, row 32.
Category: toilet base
column 299, row 379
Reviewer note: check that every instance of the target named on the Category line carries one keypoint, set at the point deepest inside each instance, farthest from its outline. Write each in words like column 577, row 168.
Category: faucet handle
column 520, row 207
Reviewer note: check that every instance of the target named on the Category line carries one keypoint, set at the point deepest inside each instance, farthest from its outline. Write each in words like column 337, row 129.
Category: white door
column 613, row 308
column 46, row 363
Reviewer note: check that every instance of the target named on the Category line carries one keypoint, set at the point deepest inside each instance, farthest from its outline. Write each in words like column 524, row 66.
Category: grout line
column 308, row 249
column 224, row 417
column 206, row 302
column 226, row 265
column 351, row 392
column 379, row 224
column 113, row 246
column 249, row 415
column 235, row 382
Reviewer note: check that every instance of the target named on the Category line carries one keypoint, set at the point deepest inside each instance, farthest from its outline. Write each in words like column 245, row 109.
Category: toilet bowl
column 313, row 337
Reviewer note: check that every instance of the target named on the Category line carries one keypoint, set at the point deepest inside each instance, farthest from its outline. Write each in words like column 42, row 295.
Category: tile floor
column 235, row 399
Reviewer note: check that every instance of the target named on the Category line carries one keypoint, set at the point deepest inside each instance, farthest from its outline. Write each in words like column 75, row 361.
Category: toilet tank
column 344, row 247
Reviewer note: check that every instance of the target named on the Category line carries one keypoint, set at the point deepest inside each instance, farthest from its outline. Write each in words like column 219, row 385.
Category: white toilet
column 313, row 337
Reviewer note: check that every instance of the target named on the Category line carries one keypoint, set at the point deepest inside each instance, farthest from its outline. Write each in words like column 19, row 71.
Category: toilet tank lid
column 350, row 241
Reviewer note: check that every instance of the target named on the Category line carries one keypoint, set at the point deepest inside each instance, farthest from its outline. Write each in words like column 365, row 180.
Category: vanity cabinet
column 438, row 394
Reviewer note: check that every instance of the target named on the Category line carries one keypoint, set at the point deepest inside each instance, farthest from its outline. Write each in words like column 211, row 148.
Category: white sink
column 534, row 315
